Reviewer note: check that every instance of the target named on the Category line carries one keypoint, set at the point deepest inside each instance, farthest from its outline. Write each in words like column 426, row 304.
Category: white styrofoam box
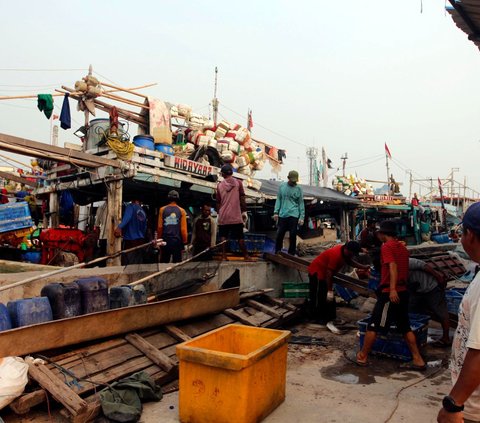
column 222, row 145
column 245, row 170
column 203, row 140
column 224, row 125
column 220, row 133
column 228, row 156
column 212, row 143
column 242, row 161
column 184, row 109
column 256, row 184
column 235, row 165
column 241, row 135
column 233, row 146
column 210, row 133
column 189, row 147
column 174, row 111
column 258, row 153
column 258, row 164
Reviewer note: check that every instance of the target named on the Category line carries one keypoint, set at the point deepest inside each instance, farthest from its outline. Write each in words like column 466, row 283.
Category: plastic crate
column 14, row 216
column 255, row 243
column 295, row 290
column 454, row 297
column 392, row 344
column 347, row 294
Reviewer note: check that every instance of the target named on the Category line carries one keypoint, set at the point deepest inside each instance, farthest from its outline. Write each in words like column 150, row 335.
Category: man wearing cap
column 392, row 303
column 232, row 209
column 462, row 404
column 320, row 274
column 172, row 228
column 289, row 212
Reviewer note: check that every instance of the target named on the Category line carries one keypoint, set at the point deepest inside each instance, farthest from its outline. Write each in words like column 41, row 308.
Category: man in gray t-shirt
column 427, row 295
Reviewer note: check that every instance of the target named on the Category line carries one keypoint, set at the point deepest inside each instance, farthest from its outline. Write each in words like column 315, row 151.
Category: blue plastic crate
column 454, row 298
column 392, row 344
column 347, row 294
column 255, row 243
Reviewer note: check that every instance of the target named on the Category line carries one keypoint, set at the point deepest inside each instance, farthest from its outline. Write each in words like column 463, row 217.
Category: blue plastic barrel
column 29, row 311
column 32, row 256
column 5, row 322
column 144, row 141
column 64, row 299
column 165, row 149
column 125, row 295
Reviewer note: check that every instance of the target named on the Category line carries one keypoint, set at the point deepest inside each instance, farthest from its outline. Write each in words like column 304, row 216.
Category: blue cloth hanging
column 65, row 118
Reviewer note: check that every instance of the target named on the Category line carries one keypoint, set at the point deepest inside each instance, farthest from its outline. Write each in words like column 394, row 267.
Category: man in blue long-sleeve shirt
column 289, row 212
column 133, row 227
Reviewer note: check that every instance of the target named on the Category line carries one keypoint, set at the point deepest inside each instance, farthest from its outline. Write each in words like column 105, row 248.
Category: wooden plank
column 238, row 316
column 24, row 403
column 177, row 333
column 267, row 310
column 281, row 303
column 16, row 178
column 63, row 394
column 68, row 153
column 160, row 359
column 276, row 258
column 247, row 295
column 71, row 331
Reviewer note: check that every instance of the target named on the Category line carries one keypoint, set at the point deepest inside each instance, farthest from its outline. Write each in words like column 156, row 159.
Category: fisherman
column 320, row 274
column 232, row 210
column 462, row 404
column 415, row 201
column 172, row 228
column 368, row 236
column 204, row 232
column 392, row 302
column 427, row 296
column 133, row 228
column 289, row 212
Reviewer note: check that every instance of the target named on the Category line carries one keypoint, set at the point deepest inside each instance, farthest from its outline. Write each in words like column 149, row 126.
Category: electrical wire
column 38, row 70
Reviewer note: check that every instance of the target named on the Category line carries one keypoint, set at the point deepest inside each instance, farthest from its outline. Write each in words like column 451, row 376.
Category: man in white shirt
column 463, row 402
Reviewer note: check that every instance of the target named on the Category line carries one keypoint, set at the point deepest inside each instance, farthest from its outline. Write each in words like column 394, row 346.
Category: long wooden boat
column 74, row 330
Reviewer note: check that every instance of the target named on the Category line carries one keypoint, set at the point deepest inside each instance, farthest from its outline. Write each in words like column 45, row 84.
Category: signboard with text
column 189, row 166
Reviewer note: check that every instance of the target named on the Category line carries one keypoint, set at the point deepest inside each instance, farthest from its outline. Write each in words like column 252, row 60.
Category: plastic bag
column 13, row 378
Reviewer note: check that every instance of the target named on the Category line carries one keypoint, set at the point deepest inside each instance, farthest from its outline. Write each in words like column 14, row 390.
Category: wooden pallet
column 151, row 350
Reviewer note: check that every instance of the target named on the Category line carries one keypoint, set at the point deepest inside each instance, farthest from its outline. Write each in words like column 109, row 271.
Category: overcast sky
column 348, row 75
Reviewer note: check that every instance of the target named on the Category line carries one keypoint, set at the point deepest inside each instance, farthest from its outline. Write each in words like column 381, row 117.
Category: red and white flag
column 387, row 151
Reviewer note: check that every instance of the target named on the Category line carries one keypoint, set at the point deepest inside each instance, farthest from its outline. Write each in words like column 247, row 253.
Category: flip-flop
column 411, row 366
column 354, row 359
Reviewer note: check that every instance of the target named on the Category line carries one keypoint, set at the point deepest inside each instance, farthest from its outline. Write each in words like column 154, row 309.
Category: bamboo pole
column 76, row 266
column 127, row 90
column 124, row 100
column 174, row 266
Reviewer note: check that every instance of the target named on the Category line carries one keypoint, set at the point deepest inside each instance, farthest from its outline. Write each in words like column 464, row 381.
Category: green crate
column 295, row 290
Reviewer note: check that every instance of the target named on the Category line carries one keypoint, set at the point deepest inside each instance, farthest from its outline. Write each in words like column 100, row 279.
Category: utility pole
column 464, row 194
column 452, row 181
column 344, row 162
column 389, row 192
column 215, row 100
column 410, row 185
column 312, row 153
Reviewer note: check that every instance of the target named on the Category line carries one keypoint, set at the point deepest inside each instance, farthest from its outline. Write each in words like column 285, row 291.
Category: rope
column 123, row 150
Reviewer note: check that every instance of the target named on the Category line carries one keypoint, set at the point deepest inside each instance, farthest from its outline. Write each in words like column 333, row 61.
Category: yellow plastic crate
column 234, row 374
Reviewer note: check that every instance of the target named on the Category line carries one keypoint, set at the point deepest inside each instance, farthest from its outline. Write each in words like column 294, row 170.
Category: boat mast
column 215, row 100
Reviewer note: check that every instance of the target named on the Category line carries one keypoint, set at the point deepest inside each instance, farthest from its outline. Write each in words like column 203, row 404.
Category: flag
column 387, row 151
column 249, row 120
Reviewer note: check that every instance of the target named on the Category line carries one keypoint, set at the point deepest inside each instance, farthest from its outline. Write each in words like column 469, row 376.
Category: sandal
column 354, row 359
column 410, row 365
column 440, row 343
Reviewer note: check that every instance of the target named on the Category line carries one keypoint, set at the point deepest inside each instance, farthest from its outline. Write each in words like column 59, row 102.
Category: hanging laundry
column 65, row 118
column 45, row 104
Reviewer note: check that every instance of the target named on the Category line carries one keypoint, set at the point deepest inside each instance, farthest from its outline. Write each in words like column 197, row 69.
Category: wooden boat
column 74, row 330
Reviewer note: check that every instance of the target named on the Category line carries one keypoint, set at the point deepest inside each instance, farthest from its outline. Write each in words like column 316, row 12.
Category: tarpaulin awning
column 270, row 188
column 466, row 15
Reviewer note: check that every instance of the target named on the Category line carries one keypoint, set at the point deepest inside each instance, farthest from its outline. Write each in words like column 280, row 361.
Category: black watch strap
column 450, row 405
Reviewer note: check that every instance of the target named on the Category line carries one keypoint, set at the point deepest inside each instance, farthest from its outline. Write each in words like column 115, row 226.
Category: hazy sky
column 347, row 75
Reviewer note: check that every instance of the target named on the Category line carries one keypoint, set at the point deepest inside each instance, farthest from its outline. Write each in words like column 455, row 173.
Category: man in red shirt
column 320, row 274
column 392, row 302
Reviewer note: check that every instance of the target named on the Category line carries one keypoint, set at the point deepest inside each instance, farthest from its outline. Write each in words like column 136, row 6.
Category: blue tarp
column 14, row 216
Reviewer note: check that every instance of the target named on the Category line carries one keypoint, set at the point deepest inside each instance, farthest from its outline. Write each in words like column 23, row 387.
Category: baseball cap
column 388, row 227
column 293, row 175
column 173, row 194
column 227, row 169
column 353, row 246
column 471, row 218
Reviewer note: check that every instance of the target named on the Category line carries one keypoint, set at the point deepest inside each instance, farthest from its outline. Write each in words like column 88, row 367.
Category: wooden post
column 54, row 208
column 114, row 217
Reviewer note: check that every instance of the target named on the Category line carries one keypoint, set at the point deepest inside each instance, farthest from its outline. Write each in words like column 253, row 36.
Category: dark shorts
column 231, row 231
column 386, row 313
column 433, row 303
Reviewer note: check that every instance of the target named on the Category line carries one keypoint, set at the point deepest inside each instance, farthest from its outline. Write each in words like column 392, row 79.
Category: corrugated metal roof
column 466, row 15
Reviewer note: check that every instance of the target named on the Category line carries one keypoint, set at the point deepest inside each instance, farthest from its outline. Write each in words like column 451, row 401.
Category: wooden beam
column 88, row 327
column 114, row 217
column 16, row 178
column 177, row 333
column 234, row 314
column 160, row 359
column 23, row 404
column 67, row 153
column 61, row 392
column 286, row 262
column 265, row 309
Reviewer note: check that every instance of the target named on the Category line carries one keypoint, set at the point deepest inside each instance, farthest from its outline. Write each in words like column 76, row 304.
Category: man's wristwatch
column 450, row 405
